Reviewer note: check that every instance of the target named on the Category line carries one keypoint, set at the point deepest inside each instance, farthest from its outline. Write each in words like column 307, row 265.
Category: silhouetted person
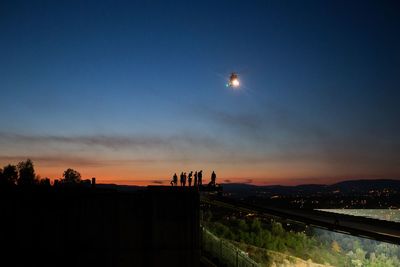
column 190, row 178
column 195, row 179
column 184, row 179
column 174, row 181
column 213, row 179
column 200, row 177
column 181, row 178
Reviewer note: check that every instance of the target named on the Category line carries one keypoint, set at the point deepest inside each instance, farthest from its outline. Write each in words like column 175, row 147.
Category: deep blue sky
column 130, row 91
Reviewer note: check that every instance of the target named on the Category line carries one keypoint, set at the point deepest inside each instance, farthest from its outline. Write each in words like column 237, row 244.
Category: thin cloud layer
column 112, row 142
column 62, row 160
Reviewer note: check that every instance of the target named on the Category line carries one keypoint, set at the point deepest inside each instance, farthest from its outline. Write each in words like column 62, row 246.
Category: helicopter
column 233, row 81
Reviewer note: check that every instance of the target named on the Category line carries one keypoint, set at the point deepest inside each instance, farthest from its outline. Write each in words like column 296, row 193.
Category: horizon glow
column 133, row 93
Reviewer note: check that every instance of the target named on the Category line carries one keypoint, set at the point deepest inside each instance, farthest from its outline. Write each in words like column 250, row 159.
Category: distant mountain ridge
column 123, row 188
column 361, row 185
column 367, row 185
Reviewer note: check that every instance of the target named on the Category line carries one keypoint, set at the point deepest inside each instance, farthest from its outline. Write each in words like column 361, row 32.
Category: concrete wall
column 158, row 226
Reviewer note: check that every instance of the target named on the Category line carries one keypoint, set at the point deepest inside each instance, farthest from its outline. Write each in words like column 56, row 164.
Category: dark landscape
column 225, row 133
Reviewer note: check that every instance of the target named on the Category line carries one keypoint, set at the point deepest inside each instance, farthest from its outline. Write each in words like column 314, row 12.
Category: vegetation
column 319, row 246
column 23, row 175
column 26, row 173
column 9, row 175
column 361, row 251
column 71, row 176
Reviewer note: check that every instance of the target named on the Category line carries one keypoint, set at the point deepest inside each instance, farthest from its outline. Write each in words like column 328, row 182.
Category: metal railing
column 224, row 251
column 379, row 230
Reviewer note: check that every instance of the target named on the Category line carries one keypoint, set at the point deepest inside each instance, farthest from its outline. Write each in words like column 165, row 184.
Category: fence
column 225, row 251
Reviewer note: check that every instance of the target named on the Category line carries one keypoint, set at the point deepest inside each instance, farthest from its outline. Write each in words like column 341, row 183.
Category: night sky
column 131, row 92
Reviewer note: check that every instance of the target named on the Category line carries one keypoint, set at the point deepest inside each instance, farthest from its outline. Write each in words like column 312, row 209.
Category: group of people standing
column 197, row 179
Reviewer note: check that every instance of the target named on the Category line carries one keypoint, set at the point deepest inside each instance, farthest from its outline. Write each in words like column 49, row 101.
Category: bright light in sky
column 235, row 83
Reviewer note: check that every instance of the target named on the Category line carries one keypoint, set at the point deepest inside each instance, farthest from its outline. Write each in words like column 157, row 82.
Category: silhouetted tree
column 26, row 173
column 45, row 182
column 71, row 176
column 9, row 175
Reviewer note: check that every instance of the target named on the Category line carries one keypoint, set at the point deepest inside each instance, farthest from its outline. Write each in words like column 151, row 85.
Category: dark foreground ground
column 157, row 226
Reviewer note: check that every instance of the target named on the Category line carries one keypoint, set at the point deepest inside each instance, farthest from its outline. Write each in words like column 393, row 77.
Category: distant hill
column 359, row 186
column 124, row 188
column 239, row 187
column 366, row 185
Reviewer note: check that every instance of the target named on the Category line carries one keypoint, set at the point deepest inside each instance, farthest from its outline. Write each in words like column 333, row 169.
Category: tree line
column 321, row 246
column 23, row 174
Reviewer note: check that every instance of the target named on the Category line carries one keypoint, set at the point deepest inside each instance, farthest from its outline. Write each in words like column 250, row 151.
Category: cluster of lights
column 235, row 83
